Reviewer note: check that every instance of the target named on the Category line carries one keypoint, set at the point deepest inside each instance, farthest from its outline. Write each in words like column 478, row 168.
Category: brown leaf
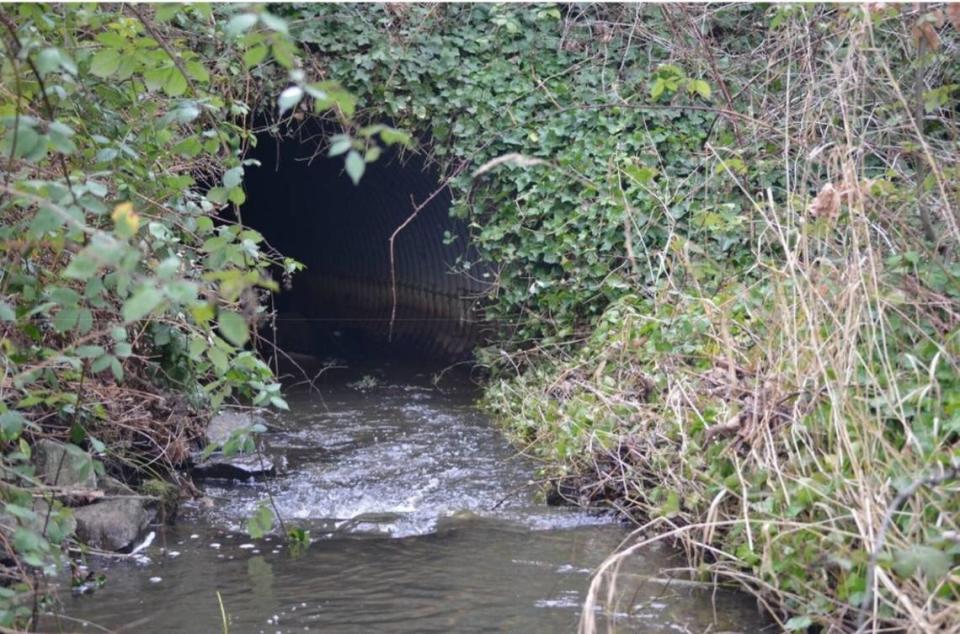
column 925, row 30
column 936, row 17
column 924, row 33
column 953, row 14
column 826, row 204
column 880, row 7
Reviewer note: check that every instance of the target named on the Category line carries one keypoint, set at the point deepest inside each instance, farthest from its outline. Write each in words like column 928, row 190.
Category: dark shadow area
column 308, row 209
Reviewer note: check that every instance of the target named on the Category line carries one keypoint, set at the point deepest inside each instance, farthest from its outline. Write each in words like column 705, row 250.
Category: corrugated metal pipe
column 310, row 210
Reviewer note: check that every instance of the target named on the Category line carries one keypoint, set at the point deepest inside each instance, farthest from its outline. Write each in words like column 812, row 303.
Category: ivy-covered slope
column 484, row 82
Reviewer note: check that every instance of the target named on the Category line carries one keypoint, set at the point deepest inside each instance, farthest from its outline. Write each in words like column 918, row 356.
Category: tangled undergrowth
column 792, row 423
column 130, row 291
column 763, row 431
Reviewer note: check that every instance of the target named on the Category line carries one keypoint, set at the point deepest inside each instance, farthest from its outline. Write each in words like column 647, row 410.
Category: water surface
column 423, row 519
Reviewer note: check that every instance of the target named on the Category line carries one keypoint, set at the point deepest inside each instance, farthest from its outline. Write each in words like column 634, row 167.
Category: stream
column 423, row 519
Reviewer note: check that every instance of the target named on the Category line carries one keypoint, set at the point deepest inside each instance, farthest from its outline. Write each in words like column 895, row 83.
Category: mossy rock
column 166, row 495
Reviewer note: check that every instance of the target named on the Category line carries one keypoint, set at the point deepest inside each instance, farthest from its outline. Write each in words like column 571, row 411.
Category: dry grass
column 801, row 441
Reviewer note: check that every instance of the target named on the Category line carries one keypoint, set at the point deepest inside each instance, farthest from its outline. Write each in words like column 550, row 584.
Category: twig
column 393, row 236
column 223, row 614
column 273, row 502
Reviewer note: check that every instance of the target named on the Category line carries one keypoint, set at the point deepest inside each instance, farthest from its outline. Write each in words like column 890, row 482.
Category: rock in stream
column 113, row 524
column 237, row 467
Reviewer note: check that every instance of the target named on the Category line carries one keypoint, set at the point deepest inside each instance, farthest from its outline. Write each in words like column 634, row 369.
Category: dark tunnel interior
column 340, row 305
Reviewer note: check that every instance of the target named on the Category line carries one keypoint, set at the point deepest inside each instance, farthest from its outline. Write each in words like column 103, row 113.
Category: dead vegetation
column 799, row 435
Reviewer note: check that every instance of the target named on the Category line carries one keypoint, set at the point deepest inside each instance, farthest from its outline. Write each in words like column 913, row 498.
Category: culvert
column 309, row 209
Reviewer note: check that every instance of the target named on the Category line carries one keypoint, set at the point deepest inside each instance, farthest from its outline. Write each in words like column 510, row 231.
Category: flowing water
column 423, row 519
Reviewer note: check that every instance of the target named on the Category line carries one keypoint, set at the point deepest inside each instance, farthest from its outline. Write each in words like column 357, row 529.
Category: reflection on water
column 422, row 523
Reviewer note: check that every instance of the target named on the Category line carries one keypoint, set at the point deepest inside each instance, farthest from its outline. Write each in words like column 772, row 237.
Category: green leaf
column 344, row 100
column 105, row 62
column 187, row 113
column 217, row 195
column 339, row 144
column 88, row 352
column 48, row 60
column 283, row 52
column 204, row 225
column 176, row 83
column 116, row 368
column 156, row 78
column 289, row 98
column 26, row 541
column 61, row 138
column 298, row 536
column 254, row 55
column 700, row 87
column 66, row 318
column 219, row 359
column 232, row 177
column 141, row 303
column 111, row 39
column 166, row 12
column 273, row 22
column 671, row 506
column 85, row 321
column 27, row 139
column 20, row 511
column 236, row 196
column 734, row 165
column 197, row 71
column 6, row 312
column 355, row 166
column 934, row 563
column 233, row 327
column 391, row 136
column 98, row 445
column 261, row 522
column 107, row 154
column 11, row 425
column 189, row 147
column 798, row 623
column 240, row 23
column 640, row 173
column 196, row 347
column 89, row 260
column 101, row 364
column 657, row 88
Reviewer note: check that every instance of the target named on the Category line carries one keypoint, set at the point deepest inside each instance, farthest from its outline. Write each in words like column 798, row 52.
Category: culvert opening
column 343, row 303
